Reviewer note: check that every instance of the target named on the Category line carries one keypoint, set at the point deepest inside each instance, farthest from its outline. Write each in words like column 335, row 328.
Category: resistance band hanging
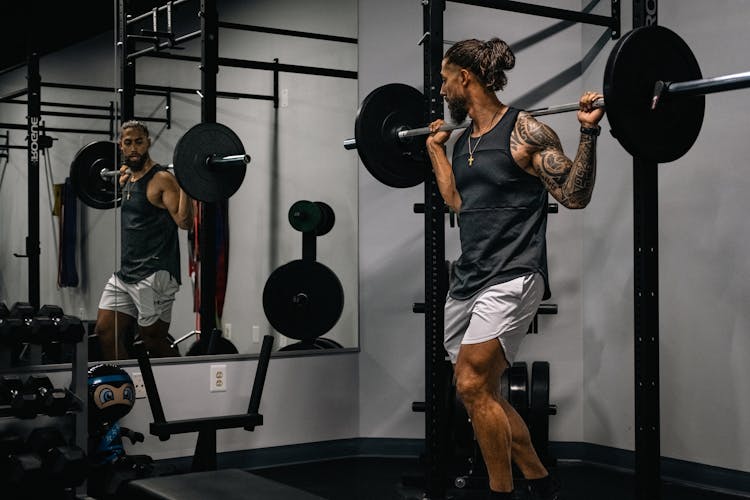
column 67, row 274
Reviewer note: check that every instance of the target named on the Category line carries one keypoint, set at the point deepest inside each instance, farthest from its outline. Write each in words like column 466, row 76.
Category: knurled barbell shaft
column 416, row 132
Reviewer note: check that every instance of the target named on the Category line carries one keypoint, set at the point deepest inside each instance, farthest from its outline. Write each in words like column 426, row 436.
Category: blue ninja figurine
column 111, row 397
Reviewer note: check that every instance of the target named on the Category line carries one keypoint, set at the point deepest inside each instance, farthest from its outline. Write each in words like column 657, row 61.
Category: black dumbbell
column 48, row 399
column 4, row 312
column 44, row 323
column 64, row 465
column 70, row 330
column 51, row 324
column 13, row 399
column 16, row 328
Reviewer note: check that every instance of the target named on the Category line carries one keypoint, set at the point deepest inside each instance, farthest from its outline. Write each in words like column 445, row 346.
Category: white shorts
column 147, row 300
column 503, row 311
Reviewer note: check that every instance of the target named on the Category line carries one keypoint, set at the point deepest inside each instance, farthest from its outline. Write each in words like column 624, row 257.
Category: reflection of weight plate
column 302, row 345
column 325, row 343
column 222, row 346
column 312, row 216
column 85, row 175
column 200, row 180
column 303, row 299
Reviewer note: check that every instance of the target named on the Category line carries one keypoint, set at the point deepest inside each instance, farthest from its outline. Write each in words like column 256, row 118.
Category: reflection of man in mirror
column 143, row 290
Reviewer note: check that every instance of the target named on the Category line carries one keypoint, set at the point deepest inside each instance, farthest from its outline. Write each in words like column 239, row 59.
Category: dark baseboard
column 673, row 470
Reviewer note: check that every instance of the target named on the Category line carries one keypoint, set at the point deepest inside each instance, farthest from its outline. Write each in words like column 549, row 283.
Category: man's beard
column 458, row 109
column 136, row 164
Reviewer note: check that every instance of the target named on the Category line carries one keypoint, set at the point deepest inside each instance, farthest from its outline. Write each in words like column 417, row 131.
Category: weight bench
column 204, row 481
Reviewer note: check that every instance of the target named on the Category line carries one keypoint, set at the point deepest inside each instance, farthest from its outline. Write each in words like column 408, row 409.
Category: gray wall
column 703, row 242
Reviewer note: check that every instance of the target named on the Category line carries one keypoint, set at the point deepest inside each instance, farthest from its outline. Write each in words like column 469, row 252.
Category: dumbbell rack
column 78, row 386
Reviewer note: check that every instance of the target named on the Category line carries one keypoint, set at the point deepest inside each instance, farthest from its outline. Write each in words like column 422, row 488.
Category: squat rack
column 437, row 367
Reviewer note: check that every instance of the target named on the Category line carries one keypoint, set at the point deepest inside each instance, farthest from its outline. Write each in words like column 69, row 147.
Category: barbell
column 653, row 91
column 209, row 163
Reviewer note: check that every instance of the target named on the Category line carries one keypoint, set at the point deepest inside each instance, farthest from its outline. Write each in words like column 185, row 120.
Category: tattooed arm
column 570, row 182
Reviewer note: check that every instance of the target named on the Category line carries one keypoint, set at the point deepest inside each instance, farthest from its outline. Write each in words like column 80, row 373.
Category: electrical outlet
column 256, row 333
column 140, row 387
column 284, row 100
column 218, row 380
column 228, row 331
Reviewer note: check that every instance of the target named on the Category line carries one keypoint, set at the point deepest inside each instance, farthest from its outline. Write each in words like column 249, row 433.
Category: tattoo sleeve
column 570, row 182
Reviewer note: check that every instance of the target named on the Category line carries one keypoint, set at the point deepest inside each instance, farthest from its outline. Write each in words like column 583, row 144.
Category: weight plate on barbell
column 85, row 176
column 303, row 299
column 196, row 178
column 640, row 58
column 383, row 112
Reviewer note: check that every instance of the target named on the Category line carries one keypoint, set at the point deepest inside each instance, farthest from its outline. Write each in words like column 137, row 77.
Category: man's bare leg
column 522, row 453
column 157, row 341
column 110, row 326
column 478, row 371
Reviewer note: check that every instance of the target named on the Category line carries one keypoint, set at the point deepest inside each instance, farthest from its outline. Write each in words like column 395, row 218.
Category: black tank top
column 503, row 219
column 148, row 233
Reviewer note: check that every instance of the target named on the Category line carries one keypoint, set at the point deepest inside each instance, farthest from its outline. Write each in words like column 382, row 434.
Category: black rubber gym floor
column 381, row 479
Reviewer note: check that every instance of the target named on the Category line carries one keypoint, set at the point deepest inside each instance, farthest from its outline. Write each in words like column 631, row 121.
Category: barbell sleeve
column 700, row 87
column 709, row 85
column 228, row 161
column 416, row 132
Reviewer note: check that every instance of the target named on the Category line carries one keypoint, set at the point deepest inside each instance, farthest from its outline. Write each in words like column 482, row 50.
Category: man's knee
column 155, row 331
column 470, row 387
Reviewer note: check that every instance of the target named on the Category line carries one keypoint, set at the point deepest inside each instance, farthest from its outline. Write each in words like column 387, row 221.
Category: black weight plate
column 640, row 59
column 539, row 408
column 85, row 175
column 518, row 383
column 303, row 345
column 303, row 299
column 305, row 216
column 324, row 343
column 327, row 220
column 383, row 112
column 196, row 178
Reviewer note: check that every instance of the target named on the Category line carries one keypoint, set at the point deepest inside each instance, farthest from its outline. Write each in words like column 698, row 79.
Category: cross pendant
column 471, row 159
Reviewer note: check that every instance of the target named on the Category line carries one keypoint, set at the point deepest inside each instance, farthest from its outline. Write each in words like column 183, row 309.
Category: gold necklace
column 471, row 151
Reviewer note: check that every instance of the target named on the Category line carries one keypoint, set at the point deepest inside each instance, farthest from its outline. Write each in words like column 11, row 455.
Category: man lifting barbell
column 143, row 289
column 503, row 166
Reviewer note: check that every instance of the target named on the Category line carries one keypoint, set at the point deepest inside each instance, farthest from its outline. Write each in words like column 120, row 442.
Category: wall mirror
column 286, row 87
